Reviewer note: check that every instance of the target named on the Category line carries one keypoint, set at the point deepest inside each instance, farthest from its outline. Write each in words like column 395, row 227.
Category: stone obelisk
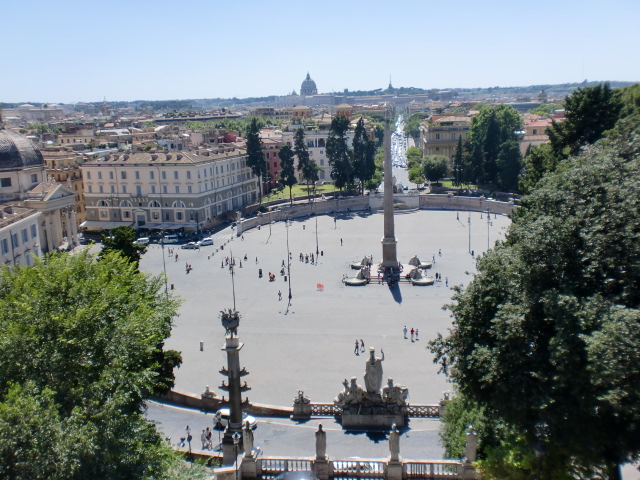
column 389, row 256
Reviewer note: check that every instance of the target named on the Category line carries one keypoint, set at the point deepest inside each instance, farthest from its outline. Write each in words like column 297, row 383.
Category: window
column 137, row 175
column 177, row 189
column 103, row 214
column 34, row 231
column 175, row 175
column 153, row 189
column 112, row 188
column 99, row 175
column 5, row 246
column 14, row 240
column 188, row 175
column 151, row 175
column 90, row 190
column 189, row 189
column 5, row 182
column 178, row 215
column 123, row 175
column 110, row 175
column 138, row 191
column 164, row 175
column 25, row 235
column 126, row 214
column 88, row 175
column 155, row 215
column 535, row 131
column 34, row 178
column 164, row 189
column 101, row 189
column 437, row 136
column 124, row 189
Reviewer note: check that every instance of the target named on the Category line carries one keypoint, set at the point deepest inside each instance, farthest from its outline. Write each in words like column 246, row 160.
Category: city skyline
column 76, row 52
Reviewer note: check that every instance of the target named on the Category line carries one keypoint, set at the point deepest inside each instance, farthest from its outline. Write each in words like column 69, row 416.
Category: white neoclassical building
column 167, row 190
column 37, row 215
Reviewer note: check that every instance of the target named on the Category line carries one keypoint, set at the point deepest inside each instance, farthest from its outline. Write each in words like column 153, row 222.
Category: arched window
column 178, row 204
column 154, row 204
column 103, row 203
column 125, row 203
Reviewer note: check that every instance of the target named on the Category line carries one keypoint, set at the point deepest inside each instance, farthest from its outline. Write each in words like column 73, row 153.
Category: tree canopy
column 339, row 153
column 589, row 112
column 121, row 241
column 435, row 167
column 547, row 335
column 80, row 349
column 491, row 157
column 363, row 155
column 255, row 157
column 307, row 167
column 287, row 169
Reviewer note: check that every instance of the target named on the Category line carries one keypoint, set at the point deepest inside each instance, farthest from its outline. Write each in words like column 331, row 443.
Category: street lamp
column 232, row 264
column 488, row 224
column 288, row 263
column 189, row 437
column 236, row 441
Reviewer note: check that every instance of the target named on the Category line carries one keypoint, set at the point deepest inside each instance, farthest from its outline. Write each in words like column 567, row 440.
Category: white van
column 142, row 241
column 172, row 238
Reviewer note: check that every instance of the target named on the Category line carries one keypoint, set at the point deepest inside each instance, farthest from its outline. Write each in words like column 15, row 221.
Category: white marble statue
column 394, row 443
column 321, row 443
column 373, row 372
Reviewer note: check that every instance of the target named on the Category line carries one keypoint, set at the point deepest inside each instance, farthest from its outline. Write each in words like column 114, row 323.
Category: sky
column 85, row 51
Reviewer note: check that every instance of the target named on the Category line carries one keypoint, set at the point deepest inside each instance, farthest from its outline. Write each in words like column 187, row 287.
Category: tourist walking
column 362, row 345
column 404, row 331
column 279, row 295
column 416, row 334
column 356, row 350
column 412, row 333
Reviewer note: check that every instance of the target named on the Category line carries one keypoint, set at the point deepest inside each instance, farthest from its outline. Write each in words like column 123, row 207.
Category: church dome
column 308, row 86
column 18, row 152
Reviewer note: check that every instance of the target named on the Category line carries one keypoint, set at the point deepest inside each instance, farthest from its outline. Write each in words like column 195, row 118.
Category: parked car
column 206, row 241
column 143, row 241
column 170, row 238
column 222, row 419
column 190, row 246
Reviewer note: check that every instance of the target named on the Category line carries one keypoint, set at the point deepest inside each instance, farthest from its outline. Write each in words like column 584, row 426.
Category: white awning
column 96, row 224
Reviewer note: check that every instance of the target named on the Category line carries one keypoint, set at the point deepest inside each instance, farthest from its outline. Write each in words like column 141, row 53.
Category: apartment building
column 187, row 190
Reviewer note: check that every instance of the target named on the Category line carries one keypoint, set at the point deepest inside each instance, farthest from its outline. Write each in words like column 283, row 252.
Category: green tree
column 492, row 131
column 255, row 157
column 412, row 127
column 79, row 342
column 547, row 333
column 458, row 161
column 307, row 167
column 435, row 167
column 122, row 241
column 589, row 113
column 339, row 154
column 363, row 155
column 374, row 182
column 537, row 162
column 287, row 169
column 414, row 157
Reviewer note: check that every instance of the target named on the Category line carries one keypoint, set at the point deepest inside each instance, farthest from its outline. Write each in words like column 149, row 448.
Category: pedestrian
column 416, row 334
column 256, row 260
column 242, row 238
column 356, row 350
column 433, row 259
column 340, row 242
column 209, row 435
column 203, row 438
column 440, row 252
column 412, row 333
column 404, row 331
column 279, row 295
column 362, row 345
column 446, row 281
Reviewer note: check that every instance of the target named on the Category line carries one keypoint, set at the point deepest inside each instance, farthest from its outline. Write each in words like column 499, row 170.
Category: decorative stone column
column 394, row 464
column 230, row 320
column 301, row 407
column 466, row 469
column 321, row 463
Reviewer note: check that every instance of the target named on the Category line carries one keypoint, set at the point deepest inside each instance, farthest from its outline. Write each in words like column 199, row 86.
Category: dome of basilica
column 308, row 86
column 18, row 152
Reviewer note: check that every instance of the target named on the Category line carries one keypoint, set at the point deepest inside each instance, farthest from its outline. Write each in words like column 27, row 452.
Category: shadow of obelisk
column 389, row 265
